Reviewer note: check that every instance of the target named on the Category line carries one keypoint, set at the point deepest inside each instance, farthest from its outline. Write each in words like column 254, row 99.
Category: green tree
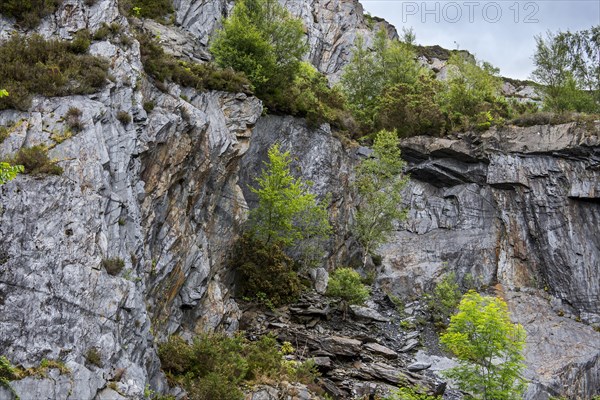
column 345, row 283
column 472, row 88
column 261, row 39
column 489, row 348
column 287, row 212
column 371, row 71
column 362, row 82
column 412, row 109
column 379, row 181
column 567, row 67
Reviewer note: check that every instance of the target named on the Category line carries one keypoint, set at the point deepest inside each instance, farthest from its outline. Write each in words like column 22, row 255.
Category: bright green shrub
column 28, row 13
column 34, row 65
column 287, row 213
column 489, row 349
column 345, row 283
column 9, row 172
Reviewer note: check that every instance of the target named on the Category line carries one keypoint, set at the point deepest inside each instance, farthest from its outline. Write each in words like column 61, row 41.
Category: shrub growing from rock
column 35, row 160
column 215, row 366
column 345, row 283
column 34, row 65
column 165, row 67
column 113, row 265
column 265, row 272
column 28, row 13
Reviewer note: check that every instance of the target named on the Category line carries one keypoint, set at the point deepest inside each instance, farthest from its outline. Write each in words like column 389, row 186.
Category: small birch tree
column 489, row 348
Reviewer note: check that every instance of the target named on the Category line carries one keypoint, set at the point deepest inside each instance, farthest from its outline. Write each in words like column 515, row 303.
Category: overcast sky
column 501, row 32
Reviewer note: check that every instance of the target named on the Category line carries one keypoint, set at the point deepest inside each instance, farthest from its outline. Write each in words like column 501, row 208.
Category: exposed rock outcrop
column 159, row 194
column 168, row 192
column 515, row 206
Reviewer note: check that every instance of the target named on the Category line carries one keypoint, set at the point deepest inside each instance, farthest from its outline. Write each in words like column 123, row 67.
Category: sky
column 501, row 32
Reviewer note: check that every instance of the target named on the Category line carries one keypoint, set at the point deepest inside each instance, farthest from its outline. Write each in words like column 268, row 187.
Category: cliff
column 167, row 194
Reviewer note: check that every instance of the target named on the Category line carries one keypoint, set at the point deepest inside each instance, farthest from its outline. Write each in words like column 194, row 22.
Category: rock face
column 515, row 206
column 159, row 194
column 167, row 193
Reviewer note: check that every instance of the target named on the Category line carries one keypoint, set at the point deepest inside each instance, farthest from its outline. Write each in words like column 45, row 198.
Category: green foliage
column 105, row 30
column 81, row 42
column 7, row 371
column 34, row 65
column 265, row 273
column 345, row 283
column 489, row 348
column 567, row 66
column 215, row 366
column 155, row 9
column 379, row 181
column 444, row 299
column 552, row 118
column 28, row 13
column 472, row 88
column 46, row 364
column 35, row 161
column 261, row 39
column 165, row 67
column 9, row 172
column 370, row 72
column 310, row 96
column 410, row 393
column 73, row 119
column 113, row 265
column 412, row 109
column 149, row 106
column 287, row 213
column 362, row 82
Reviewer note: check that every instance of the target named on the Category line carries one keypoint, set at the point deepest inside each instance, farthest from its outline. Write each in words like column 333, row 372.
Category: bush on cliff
column 28, row 13
column 165, row 67
column 262, row 40
column 34, row 65
column 215, row 366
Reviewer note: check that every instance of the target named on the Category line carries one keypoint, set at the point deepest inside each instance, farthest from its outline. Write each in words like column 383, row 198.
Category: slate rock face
column 159, row 194
column 168, row 193
column 517, row 207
